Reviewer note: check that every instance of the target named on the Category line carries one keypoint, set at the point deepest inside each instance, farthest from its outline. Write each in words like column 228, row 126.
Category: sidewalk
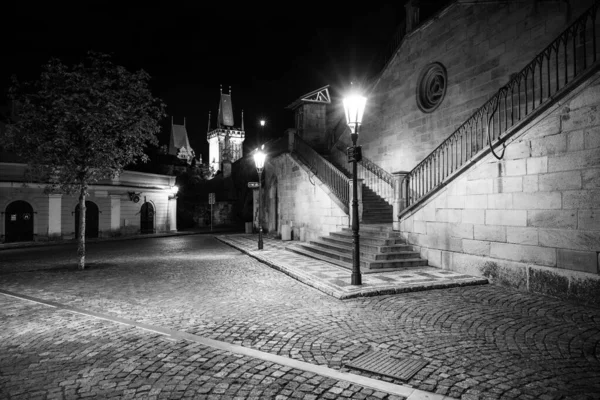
column 335, row 281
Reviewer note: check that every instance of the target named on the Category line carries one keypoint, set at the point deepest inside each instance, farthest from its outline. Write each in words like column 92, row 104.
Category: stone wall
column 532, row 220
column 313, row 129
column 480, row 45
column 303, row 201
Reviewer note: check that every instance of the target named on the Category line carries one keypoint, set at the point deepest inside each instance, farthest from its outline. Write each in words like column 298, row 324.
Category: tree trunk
column 81, row 237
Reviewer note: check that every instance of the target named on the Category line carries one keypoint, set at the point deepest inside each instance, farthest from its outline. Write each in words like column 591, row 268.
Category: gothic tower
column 225, row 141
column 179, row 144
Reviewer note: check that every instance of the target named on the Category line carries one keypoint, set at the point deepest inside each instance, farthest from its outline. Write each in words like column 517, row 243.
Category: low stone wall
column 532, row 220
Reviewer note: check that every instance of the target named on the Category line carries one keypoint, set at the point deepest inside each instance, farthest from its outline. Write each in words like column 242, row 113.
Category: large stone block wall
column 532, row 220
column 480, row 45
column 303, row 200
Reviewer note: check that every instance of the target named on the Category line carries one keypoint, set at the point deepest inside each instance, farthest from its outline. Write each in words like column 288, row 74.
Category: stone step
column 371, row 194
column 370, row 248
column 376, row 207
column 379, row 220
column 378, row 213
column 376, row 231
column 367, row 239
column 345, row 260
column 368, row 252
column 375, row 199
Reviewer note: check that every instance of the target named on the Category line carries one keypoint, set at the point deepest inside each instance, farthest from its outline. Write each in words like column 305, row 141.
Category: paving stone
column 483, row 341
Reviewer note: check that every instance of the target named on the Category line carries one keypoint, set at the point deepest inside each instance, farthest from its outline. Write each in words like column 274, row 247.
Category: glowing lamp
column 354, row 107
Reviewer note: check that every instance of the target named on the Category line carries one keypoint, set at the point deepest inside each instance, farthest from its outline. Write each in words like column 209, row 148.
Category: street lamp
column 259, row 160
column 354, row 107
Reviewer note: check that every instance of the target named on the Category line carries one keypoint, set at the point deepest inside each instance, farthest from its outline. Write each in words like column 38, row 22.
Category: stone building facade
column 134, row 203
column 479, row 45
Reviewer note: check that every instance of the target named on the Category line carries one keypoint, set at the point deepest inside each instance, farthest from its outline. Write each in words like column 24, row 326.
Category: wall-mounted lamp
column 135, row 197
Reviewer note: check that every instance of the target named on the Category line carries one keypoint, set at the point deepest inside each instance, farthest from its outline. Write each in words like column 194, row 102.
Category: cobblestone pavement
column 481, row 342
column 335, row 280
column 68, row 356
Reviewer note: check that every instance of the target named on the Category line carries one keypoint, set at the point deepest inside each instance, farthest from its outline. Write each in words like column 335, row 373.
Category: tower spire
column 243, row 119
column 208, row 130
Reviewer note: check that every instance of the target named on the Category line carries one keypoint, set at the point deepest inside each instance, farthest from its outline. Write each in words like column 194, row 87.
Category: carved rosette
column 431, row 87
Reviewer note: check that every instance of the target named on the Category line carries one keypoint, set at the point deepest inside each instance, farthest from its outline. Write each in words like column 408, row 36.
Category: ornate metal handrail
column 567, row 57
column 338, row 183
column 374, row 177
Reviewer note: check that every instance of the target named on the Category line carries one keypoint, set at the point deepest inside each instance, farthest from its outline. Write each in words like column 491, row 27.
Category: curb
column 24, row 245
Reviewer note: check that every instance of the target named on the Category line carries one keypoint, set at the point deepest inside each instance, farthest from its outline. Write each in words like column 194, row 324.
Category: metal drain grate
column 384, row 364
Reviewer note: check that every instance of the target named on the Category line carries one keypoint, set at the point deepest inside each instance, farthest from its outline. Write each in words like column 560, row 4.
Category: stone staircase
column 375, row 209
column 381, row 249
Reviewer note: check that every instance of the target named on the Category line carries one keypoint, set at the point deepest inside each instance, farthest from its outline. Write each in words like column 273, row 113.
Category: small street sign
column 211, row 198
column 253, row 185
column 353, row 153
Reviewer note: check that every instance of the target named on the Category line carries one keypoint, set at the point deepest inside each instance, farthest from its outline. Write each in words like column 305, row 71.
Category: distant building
column 226, row 140
column 179, row 143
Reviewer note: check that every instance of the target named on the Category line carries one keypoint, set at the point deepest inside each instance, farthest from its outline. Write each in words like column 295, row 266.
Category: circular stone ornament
column 431, row 87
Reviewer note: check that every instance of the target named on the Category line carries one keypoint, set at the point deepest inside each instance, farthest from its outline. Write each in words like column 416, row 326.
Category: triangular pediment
column 320, row 95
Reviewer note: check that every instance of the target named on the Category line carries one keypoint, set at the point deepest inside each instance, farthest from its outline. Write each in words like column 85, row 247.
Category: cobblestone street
column 75, row 339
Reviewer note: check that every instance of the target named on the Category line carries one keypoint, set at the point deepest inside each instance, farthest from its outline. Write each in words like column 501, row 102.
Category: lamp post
column 259, row 160
column 354, row 107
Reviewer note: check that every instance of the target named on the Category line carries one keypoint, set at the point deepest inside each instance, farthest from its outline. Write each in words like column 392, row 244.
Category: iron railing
column 374, row 177
column 338, row 183
column 566, row 58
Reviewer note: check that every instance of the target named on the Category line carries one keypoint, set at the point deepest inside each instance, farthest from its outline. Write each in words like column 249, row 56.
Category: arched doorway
column 147, row 218
column 18, row 222
column 91, row 220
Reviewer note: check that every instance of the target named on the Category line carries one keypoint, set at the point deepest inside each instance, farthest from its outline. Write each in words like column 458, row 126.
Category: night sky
column 269, row 54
